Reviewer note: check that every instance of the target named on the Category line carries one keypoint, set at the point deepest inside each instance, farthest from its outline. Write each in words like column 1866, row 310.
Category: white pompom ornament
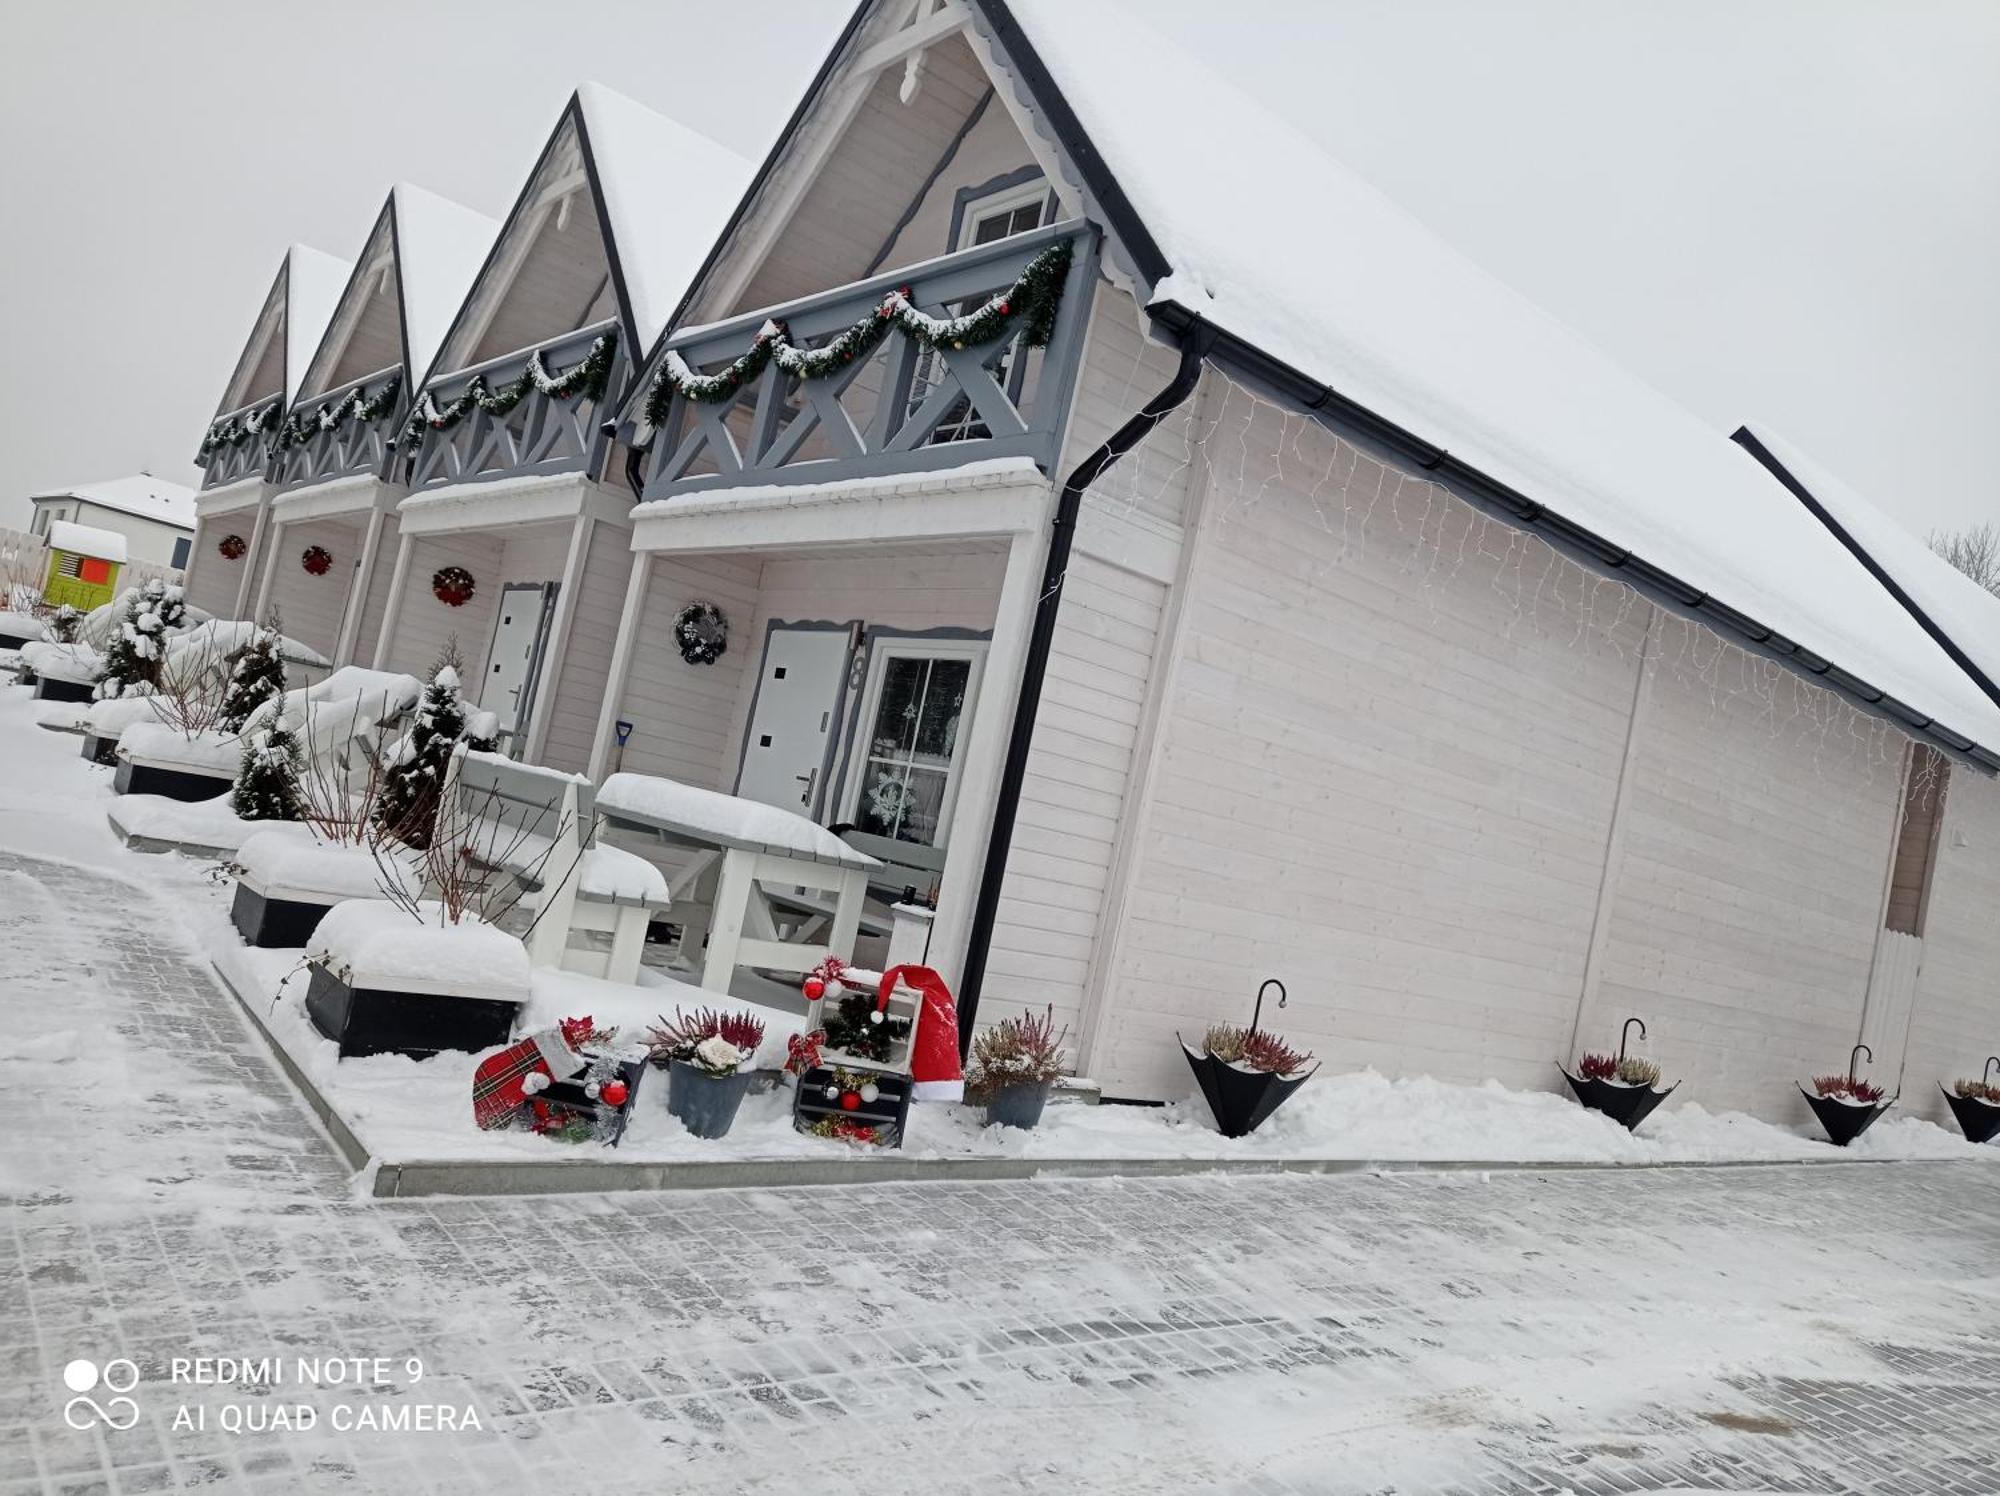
column 590, row 1089
column 869, row 1092
column 833, row 1093
column 534, row 1082
column 874, row 1015
column 835, row 988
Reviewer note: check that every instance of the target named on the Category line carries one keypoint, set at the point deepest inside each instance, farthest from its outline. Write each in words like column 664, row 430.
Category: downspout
column 1195, row 342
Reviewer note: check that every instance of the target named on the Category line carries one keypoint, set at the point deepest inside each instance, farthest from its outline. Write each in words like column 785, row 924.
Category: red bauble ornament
column 813, row 988
column 613, row 1093
column 1003, row 308
column 850, row 1101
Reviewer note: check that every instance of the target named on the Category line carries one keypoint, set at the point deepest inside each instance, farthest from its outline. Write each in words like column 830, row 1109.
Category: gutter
column 1196, row 338
column 1745, row 438
column 1392, row 442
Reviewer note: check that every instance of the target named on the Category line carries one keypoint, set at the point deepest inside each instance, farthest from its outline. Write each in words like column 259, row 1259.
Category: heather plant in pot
column 1624, row 1087
column 1015, row 1064
column 707, row 1058
column 1846, row 1105
column 1976, row 1104
column 1245, row 1074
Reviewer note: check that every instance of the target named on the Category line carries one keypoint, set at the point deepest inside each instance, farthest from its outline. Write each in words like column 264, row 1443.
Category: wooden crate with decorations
column 869, row 1020
column 853, row 1104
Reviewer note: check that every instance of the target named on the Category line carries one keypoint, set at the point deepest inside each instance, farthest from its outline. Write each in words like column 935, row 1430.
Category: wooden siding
column 1121, row 370
column 992, row 148
column 1916, row 840
column 377, row 602
column 376, row 341
column 683, row 714
column 1956, row 1022
column 579, row 678
column 424, row 625
column 310, row 607
column 214, row 579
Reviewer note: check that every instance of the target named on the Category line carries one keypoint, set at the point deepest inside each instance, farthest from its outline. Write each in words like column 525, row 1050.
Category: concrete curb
column 337, row 1130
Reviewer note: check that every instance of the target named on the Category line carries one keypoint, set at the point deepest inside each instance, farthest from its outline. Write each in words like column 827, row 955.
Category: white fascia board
column 509, row 501
column 356, row 494
column 244, row 493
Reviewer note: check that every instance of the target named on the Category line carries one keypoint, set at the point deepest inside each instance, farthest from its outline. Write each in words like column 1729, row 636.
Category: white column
column 621, row 664
column 364, row 578
column 251, row 560
column 392, row 613
column 267, row 560
column 558, row 646
column 986, row 754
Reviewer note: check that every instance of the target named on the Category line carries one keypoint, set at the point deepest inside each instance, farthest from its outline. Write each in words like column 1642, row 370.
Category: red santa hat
column 935, row 1072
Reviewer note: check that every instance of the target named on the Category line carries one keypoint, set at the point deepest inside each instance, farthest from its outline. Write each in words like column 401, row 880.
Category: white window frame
column 1003, row 200
column 881, row 649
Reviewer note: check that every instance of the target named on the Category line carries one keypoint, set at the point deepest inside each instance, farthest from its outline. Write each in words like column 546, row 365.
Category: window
column 909, row 742
column 182, row 544
column 1916, row 841
column 41, row 524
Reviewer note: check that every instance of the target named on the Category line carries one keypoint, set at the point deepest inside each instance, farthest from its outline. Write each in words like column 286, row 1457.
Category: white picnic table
column 743, row 853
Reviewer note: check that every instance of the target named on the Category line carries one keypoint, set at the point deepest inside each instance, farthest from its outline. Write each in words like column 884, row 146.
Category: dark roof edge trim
column 1388, row 440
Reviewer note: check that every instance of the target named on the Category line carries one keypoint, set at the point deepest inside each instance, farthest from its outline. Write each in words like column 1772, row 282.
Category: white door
column 787, row 749
column 510, row 664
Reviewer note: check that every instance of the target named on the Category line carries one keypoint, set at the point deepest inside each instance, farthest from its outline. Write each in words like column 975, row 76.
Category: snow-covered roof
column 1277, row 244
column 440, row 246
column 1967, row 613
column 668, row 194
column 313, row 283
column 87, row 540
column 141, row 494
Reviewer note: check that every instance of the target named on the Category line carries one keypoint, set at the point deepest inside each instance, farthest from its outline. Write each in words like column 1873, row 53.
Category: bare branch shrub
column 1974, row 551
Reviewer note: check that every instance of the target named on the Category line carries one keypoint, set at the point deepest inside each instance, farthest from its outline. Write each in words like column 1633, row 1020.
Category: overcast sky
column 1786, row 210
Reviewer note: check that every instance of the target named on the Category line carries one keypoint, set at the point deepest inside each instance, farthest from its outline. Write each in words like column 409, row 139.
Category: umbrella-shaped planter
column 1624, row 1088
column 1976, row 1104
column 1246, row 1074
column 1846, row 1105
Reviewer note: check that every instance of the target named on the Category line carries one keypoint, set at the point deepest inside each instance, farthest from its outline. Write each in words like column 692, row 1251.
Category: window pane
column 902, row 697
column 901, row 802
column 944, row 701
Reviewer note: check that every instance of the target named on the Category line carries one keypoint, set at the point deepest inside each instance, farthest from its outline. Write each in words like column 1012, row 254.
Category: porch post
column 241, row 608
column 357, row 604
column 621, row 664
column 979, row 783
column 268, row 560
column 552, row 655
column 393, row 612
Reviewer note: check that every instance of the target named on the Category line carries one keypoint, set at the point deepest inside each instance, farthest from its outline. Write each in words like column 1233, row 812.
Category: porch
column 323, row 551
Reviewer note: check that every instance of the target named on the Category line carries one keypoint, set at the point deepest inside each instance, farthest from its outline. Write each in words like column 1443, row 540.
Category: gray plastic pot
column 706, row 1104
column 1018, row 1105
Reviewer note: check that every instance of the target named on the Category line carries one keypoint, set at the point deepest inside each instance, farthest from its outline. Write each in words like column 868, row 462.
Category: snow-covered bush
column 135, row 651
column 718, row 1043
column 1025, row 1050
column 408, row 806
column 256, row 675
column 267, row 783
column 1253, row 1049
column 1847, row 1088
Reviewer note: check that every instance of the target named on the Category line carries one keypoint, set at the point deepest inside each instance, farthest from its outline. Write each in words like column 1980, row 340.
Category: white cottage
column 514, row 536
column 334, row 478
column 1185, row 570
column 232, row 506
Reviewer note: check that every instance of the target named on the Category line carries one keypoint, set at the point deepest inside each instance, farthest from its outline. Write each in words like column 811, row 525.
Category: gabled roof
column 87, row 540
column 663, row 193
column 440, row 246
column 1229, row 213
column 313, row 283
column 141, row 494
column 1955, row 610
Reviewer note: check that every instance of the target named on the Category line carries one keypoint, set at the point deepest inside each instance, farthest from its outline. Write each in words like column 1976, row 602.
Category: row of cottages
column 1182, row 569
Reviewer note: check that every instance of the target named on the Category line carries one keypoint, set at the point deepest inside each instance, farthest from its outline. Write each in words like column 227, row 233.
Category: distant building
column 155, row 517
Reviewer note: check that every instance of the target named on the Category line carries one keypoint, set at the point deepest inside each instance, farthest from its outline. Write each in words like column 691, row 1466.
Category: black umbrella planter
column 1621, row 1087
column 1976, row 1104
column 1846, row 1105
column 1246, row 1074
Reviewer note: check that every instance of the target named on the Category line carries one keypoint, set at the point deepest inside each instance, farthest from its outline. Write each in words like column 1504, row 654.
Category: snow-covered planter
column 1245, row 1074
column 62, row 672
column 1015, row 1064
column 105, row 722
column 384, row 983
column 1623, row 1087
column 155, row 759
column 288, row 877
column 1976, row 1104
column 19, row 629
column 707, row 1057
column 1846, row 1105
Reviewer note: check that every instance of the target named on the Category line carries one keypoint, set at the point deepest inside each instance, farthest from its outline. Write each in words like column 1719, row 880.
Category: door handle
column 809, row 780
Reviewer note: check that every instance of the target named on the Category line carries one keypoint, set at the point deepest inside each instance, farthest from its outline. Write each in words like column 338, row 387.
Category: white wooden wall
column 682, row 714
column 310, row 607
column 213, row 579
column 1956, row 1022
column 579, row 678
column 423, row 624
column 379, row 582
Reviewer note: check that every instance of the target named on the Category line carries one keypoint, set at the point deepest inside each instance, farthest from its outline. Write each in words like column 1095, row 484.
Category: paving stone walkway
column 163, row 1195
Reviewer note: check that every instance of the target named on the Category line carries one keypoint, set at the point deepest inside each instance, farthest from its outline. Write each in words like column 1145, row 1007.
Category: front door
column 519, row 633
column 788, row 749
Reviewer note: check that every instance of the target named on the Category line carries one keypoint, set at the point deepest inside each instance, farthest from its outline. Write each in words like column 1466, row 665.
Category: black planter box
column 1240, row 1099
column 566, row 1098
column 47, row 688
column 274, row 924
column 1843, row 1121
column 100, row 750
column 1628, row 1106
column 1978, row 1120
column 174, row 784
column 376, row 1020
column 15, row 641
column 889, row 1112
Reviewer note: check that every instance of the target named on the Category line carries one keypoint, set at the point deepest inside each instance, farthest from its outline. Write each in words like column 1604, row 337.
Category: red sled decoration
column 500, row 1086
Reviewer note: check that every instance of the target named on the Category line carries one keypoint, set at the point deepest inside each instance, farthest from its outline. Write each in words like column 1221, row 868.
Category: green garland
column 587, row 377
column 232, row 432
column 298, row 428
column 1034, row 298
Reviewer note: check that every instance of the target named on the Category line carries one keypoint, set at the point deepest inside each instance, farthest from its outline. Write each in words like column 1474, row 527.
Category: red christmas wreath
column 317, row 560
column 233, row 547
column 453, row 586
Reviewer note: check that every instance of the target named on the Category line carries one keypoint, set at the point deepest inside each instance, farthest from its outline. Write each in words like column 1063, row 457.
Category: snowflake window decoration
column 702, row 633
